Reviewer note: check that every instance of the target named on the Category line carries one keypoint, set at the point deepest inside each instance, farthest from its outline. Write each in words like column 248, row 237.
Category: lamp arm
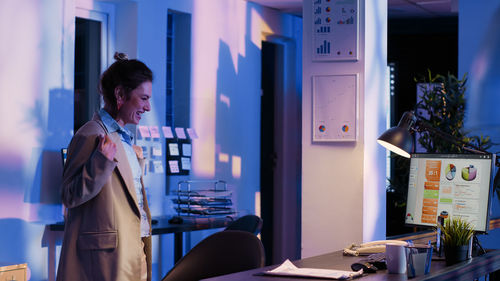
column 421, row 125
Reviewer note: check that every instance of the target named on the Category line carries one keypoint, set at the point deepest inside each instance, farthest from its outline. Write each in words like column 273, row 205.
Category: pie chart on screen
column 469, row 173
column 450, row 171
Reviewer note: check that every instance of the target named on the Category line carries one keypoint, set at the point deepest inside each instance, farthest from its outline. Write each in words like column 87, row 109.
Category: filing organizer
column 203, row 198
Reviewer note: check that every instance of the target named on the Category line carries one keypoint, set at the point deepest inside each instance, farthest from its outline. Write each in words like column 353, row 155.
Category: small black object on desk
column 371, row 263
column 367, row 267
column 176, row 220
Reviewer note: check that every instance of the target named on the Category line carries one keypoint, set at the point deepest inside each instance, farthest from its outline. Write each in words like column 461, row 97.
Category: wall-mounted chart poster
column 334, row 108
column 335, row 30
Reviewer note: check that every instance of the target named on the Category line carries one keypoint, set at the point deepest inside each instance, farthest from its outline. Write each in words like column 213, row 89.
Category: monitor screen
column 449, row 185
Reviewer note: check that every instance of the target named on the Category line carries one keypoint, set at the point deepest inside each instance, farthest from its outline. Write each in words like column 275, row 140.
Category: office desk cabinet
column 13, row 272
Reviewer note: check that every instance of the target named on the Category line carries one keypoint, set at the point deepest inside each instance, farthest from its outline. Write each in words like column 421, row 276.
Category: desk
column 468, row 270
column 189, row 224
column 161, row 226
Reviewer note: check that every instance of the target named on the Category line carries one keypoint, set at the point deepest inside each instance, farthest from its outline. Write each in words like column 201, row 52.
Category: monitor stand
column 475, row 247
column 439, row 242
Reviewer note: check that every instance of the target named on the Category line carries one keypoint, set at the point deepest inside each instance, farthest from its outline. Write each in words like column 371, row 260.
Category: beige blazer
column 102, row 228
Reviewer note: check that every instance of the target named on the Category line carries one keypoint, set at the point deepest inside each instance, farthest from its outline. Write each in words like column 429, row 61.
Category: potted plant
column 443, row 106
column 456, row 235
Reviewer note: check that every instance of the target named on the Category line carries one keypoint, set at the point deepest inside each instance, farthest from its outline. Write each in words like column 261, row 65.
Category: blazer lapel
column 124, row 168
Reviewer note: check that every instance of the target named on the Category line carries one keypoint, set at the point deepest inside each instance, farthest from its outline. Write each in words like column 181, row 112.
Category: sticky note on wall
column 167, row 132
column 155, row 133
column 180, row 133
column 144, row 131
column 173, row 166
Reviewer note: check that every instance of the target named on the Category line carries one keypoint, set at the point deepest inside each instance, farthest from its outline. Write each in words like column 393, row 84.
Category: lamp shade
column 398, row 140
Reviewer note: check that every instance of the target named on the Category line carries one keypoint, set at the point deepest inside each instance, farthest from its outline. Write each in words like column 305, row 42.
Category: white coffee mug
column 395, row 257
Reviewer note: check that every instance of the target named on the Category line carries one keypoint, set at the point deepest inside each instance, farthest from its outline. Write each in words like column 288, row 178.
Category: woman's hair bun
column 120, row 56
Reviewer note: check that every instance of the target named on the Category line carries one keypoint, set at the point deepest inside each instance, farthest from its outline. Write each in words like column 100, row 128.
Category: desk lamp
column 400, row 141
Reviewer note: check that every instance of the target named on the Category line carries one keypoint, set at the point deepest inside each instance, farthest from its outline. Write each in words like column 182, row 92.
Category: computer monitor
column 450, row 185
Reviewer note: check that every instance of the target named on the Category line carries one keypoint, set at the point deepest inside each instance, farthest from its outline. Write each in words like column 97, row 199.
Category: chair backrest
column 249, row 223
column 221, row 253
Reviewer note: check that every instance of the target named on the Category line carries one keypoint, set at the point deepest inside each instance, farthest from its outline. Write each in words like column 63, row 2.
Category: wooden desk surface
column 474, row 268
column 189, row 224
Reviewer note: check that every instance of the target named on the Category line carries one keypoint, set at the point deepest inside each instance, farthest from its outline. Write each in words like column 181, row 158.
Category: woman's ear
column 120, row 97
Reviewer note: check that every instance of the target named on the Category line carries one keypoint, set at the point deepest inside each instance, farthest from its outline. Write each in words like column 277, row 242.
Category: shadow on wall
column 36, row 179
column 238, row 124
column 44, row 188
column 237, row 127
column 60, row 119
column 43, row 173
column 30, row 179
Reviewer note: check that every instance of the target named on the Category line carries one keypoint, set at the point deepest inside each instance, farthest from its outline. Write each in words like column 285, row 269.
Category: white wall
column 225, row 92
column 376, row 107
column 343, row 184
column 36, row 86
column 225, row 61
column 479, row 56
column 36, row 95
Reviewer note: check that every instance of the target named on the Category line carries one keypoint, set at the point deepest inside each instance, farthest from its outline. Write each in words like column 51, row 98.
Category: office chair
column 221, row 253
column 249, row 223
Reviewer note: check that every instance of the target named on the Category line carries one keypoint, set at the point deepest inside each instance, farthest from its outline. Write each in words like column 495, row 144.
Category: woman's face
column 130, row 111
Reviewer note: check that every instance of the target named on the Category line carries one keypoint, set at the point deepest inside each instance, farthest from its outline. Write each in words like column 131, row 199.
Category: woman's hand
column 138, row 151
column 107, row 147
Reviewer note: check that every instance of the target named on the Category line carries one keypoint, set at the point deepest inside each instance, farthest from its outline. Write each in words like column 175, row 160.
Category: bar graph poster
column 334, row 108
column 335, row 30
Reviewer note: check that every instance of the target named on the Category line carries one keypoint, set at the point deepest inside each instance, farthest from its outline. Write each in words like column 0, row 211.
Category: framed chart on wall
column 335, row 108
column 335, row 30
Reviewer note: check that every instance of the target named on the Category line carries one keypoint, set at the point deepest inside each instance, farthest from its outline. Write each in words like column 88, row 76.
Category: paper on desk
column 289, row 269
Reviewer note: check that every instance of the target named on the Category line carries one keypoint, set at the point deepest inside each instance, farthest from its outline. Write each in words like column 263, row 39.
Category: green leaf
column 456, row 232
column 444, row 104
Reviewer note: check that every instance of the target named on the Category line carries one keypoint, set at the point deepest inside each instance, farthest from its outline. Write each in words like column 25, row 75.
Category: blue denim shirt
column 127, row 138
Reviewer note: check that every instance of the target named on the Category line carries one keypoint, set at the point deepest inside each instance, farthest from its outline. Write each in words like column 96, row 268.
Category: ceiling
column 396, row 8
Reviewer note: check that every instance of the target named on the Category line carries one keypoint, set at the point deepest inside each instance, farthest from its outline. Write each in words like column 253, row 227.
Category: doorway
column 280, row 180
column 87, row 70
column 267, row 148
column 92, row 49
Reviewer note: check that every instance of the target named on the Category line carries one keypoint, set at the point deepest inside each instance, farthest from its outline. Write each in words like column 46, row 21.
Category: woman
column 107, row 233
